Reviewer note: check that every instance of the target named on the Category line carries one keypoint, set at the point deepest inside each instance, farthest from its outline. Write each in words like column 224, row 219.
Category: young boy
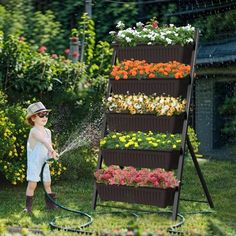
column 39, row 149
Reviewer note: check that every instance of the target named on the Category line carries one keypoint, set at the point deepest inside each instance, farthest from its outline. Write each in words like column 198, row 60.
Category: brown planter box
column 167, row 86
column 145, row 122
column 140, row 195
column 155, row 53
column 141, row 158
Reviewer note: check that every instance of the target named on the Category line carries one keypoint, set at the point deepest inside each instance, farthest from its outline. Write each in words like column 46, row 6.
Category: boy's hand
column 53, row 154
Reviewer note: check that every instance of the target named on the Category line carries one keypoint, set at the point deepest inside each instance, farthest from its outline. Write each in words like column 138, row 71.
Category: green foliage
column 101, row 63
column 194, row 141
column 217, row 25
column 13, row 135
column 27, row 70
column 106, row 14
column 228, row 111
column 79, row 163
column 44, row 29
column 87, row 35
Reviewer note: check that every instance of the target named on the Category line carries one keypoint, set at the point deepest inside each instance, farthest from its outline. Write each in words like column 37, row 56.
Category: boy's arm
column 38, row 136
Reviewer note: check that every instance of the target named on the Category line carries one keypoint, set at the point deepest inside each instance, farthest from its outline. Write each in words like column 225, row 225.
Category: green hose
column 52, row 223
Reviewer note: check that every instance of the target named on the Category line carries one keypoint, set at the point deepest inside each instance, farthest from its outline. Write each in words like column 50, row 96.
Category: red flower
column 54, row 56
column 67, row 51
column 75, row 54
column 42, row 49
column 155, row 24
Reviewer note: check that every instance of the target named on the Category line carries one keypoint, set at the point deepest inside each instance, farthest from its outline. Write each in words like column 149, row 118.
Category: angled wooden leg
column 199, row 172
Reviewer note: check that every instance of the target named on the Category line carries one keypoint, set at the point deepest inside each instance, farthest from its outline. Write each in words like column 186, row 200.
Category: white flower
column 139, row 24
column 169, row 41
column 112, row 32
column 120, row 25
column 128, row 40
column 109, row 99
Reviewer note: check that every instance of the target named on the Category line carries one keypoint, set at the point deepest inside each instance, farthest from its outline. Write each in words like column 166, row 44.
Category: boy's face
column 41, row 118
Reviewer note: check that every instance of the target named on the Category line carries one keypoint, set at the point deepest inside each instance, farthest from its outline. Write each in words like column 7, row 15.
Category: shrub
column 13, row 133
column 194, row 141
column 228, row 111
column 80, row 163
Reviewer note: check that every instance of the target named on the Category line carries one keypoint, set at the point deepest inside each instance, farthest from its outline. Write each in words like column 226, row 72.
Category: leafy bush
column 80, row 163
column 194, row 141
column 228, row 111
column 13, row 136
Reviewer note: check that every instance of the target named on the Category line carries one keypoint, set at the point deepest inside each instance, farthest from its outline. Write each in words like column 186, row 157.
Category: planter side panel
column 141, row 122
column 141, row 158
column 141, row 195
column 156, row 53
column 171, row 87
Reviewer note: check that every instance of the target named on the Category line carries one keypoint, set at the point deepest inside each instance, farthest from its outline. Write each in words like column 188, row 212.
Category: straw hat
column 35, row 108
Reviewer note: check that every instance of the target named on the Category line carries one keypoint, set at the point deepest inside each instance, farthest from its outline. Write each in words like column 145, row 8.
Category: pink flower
column 75, row 54
column 54, row 56
column 158, row 178
column 42, row 49
column 155, row 24
column 67, row 51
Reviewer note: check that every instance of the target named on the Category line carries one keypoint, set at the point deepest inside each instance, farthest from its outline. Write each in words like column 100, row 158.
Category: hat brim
column 29, row 115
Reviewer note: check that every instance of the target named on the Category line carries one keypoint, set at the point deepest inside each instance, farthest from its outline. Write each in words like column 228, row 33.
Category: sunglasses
column 43, row 114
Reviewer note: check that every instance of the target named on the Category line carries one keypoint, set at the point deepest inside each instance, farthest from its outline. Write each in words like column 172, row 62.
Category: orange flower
column 132, row 68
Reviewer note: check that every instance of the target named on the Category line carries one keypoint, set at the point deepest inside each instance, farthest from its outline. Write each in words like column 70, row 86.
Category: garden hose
column 52, row 223
column 172, row 229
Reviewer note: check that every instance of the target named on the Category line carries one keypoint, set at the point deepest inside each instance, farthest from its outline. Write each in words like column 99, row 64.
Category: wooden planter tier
column 155, row 53
column 168, row 86
column 145, row 122
column 141, row 195
column 142, row 158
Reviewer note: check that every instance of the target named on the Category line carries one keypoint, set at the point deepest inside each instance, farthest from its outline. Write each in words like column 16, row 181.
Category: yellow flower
column 117, row 145
column 113, row 136
column 122, row 139
column 174, row 146
column 102, row 142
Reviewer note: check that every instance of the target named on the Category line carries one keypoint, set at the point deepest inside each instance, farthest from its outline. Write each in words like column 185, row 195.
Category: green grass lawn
column 219, row 175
